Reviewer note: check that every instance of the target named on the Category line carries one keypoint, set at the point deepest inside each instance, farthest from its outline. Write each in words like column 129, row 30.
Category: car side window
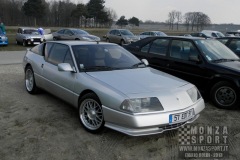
column 182, row 50
column 117, row 32
column 60, row 54
column 112, row 32
column 47, row 49
column 38, row 49
column 61, row 31
column 159, row 47
column 235, row 46
column 68, row 32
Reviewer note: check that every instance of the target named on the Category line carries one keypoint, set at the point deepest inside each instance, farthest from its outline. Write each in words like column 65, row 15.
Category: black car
column 207, row 63
column 232, row 43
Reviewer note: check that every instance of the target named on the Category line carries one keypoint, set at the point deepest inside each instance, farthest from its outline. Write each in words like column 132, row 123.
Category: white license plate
column 36, row 42
column 181, row 117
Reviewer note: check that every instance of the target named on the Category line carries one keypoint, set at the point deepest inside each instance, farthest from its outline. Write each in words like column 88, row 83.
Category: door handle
column 42, row 65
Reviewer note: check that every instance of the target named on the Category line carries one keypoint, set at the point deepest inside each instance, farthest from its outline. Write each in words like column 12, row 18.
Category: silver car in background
column 121, row 36
column 151, row 34
column 111, row 87
column 29, row 36
column 74, row 34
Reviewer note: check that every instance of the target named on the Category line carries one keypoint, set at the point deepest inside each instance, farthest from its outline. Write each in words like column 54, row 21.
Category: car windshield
column 104, row 57
column 31, row 31
column 79, row 31
column 160, row 34
column 126, row 32
column 219, row 34
column 214, row 50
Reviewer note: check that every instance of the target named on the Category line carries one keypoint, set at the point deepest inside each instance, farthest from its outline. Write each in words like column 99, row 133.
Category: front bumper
column 147, row 124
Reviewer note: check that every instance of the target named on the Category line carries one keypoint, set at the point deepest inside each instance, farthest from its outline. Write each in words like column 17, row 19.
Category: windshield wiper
column 224, row 60
column 138, row 65
column 99, row 68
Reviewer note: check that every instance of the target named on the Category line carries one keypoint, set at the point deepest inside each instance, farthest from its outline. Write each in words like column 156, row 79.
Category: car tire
column 91, row 113
column 30, row 84
column 107, row 40
column 17, row 42
column 55, row 39
column 24, row 43
column 122, row 42
column 224, row 95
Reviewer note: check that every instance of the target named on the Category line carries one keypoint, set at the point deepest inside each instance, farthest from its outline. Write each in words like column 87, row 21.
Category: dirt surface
column 42, row 127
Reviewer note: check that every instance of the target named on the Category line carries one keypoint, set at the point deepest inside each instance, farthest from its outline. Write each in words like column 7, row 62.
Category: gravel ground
column 43, row 127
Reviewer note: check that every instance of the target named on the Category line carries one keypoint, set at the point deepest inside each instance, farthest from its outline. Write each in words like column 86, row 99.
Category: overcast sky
column 219, row 11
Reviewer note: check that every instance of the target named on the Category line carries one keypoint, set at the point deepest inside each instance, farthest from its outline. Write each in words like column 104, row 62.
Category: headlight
column 141, row 105
column 42, row 39
column 31, row 39
column 194, row 94
column 86, row 38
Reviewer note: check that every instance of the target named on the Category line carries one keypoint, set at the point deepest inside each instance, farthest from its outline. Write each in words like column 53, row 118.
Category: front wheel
column 224, row 95
column 122, row 42
column 24, row 43
column 91, row 113
column 30, row 81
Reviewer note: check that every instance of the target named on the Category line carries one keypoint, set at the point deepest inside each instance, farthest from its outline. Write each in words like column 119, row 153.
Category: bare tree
column 178, row 16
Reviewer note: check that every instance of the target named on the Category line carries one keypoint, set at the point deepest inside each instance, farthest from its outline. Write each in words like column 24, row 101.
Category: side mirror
column 194, row 58
column 65, row 67
column 145, row 62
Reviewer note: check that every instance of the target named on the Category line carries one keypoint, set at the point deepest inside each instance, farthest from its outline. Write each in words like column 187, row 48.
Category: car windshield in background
column 31, row 31
column 160, row 34
column 219, row 34
column 104, row 57
column 78, row 31
column 215, row 50
column 126, row 32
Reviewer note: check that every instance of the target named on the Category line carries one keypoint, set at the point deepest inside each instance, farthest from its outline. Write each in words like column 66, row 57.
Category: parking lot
column 44, row 127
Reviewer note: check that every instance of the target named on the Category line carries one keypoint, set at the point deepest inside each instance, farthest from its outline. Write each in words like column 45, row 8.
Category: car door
column 60, row 34
column 155, row 52
column 183, row 63
column 68, row 35
column 57, row 82
column 19, row 37
column 117, row 37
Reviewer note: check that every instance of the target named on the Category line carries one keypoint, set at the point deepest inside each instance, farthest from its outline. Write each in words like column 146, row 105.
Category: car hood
column 232, row 65
column 92, row 37
column 136, row 81
column 33, row 36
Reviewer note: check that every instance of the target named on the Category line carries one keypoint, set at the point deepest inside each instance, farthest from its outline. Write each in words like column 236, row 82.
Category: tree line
column 192, row 20
column 62, row 13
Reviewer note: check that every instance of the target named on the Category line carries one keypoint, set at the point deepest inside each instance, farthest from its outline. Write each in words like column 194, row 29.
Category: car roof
column 71, row 43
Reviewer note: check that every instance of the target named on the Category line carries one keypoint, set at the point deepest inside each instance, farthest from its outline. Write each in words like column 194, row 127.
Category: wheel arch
column 86, row 92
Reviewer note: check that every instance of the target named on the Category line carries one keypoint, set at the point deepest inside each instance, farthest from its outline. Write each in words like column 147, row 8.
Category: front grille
column 37, row 40
column 172, row 126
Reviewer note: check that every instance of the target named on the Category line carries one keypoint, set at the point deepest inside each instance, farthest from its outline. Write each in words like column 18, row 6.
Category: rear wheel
column 24, row 43
column 224, row 95
column 122, row 42
column 30, row 81
column 91, row 113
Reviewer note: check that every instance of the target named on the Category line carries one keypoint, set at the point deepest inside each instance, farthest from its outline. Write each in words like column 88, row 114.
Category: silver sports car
column 111, row 87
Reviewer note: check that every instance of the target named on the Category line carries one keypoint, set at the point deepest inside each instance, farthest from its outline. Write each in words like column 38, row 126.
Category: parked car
column 121, row 36
column 151, row 33
column 3, row 39
column 213, row 34
column 74, row 34
column 207, row 63
column 111, row 87
column 232, row 43
column 28, row 36
column 199, row 34
column 233, row 34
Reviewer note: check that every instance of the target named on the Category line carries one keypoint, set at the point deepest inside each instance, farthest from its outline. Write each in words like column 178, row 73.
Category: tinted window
column 48, row 48
column 59, row 54
column 235, row 46
column 182, row 49
column 97, row 57
column 159, row 46
column 38, row 49
column 112, row 32
column 61, row 31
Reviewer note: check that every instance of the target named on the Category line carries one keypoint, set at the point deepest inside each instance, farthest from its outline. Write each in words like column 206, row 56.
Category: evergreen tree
column 96, row 10
column 135, row 21
column 34, row 8
column 122, row 21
